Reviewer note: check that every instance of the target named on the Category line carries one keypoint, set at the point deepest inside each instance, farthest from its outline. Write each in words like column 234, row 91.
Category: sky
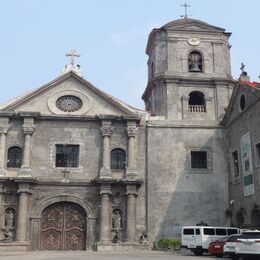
column 111, row 36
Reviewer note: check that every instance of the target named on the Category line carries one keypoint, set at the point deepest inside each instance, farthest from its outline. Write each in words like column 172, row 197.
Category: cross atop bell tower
column 186, row 6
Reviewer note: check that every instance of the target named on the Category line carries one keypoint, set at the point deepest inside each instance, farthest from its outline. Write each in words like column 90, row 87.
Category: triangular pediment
column 243, row 97
column 70, row 95
column 192, row 25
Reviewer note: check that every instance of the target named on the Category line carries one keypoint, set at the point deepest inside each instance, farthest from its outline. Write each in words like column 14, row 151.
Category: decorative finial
column 72, row 54
column 186, row 10
column 242, row 68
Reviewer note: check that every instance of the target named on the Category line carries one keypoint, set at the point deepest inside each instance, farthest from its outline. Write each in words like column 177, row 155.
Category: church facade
column 82, row 170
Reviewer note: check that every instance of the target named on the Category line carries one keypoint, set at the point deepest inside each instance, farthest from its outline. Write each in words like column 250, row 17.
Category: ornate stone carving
column 117, row 219
column 10, row 197
column 116, row 237
column 92, row 201
column 3, row 129
column 106, row 130
column 143, row 238
column 118, row 200
column 69, row 103
column 132, row 131
column 28, row 126
column 9, row 228
column 105, row 189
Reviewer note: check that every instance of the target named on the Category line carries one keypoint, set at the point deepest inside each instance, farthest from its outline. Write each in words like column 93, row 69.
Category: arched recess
column 197, row 102
column 240, row 219
column 195, row 61
column 36, row 219
column 255, row 219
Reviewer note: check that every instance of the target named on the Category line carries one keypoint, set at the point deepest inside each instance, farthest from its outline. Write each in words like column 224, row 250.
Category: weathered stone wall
column 241, row 123
column 179, row 195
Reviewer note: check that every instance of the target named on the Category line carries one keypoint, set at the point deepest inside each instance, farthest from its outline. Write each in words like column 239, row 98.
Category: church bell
column 194, row 62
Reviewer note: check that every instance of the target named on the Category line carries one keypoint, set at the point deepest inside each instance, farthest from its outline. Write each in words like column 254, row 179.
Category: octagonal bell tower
column 189, row 71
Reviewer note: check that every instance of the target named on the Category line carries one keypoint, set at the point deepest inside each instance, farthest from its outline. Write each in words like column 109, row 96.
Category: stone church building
column 82, row 170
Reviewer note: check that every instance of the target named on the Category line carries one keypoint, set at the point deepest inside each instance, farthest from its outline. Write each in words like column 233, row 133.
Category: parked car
column 248, row 244
column 197, row 238
column 230, row 246
column 216, row 248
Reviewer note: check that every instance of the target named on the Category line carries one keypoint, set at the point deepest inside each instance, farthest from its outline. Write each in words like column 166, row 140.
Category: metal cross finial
column 186, row 10
column 72, row 54
column 242, row 67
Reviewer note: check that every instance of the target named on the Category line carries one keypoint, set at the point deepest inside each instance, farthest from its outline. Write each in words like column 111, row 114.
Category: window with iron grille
column 199, row 160
column 67, row 155
column 118, row 158
column 14, row 157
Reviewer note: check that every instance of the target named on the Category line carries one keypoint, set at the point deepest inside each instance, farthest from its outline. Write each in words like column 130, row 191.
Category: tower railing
column 197, row 108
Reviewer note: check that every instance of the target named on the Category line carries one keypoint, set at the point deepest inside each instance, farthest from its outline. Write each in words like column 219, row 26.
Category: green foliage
column 169, row 243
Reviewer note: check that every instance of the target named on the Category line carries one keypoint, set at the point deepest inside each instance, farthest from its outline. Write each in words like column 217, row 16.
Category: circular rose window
column 69, row 103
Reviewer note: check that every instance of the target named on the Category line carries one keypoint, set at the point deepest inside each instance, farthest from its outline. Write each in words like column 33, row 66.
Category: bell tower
column 189, row 71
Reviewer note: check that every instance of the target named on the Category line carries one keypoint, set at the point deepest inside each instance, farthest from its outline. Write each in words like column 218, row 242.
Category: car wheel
column 198, row 252
column 219, row 255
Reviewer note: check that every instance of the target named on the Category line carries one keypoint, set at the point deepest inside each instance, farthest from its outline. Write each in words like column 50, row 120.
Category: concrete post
column 105, row 192
column 22, row 220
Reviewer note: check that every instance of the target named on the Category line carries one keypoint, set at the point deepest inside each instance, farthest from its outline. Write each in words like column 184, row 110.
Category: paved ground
column 142, row 255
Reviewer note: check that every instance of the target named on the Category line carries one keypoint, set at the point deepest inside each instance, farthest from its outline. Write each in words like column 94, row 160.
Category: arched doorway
column 63, row 227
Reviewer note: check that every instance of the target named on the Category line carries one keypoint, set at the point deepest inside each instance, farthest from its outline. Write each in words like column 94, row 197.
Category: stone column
column 3, row 132
column 28, row 129
column 1, row 210
column 131, row 193
column 131, row 165
column 105, row 192
column 106, row 131
column 22, row 220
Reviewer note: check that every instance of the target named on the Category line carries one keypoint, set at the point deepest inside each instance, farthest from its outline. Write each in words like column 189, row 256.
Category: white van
column 197, row 238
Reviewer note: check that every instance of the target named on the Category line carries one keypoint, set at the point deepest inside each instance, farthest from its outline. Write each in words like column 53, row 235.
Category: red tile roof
column 251, row 84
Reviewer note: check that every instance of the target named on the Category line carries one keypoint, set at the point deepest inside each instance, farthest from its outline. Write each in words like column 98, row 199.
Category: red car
column 216, row 247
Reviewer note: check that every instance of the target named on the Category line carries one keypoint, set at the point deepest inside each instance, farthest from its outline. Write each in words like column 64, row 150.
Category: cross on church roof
column 242, row 67
column 186, row 10
column 72, row 54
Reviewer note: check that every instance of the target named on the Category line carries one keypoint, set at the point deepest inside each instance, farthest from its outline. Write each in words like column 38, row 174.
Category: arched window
column 118, row 157
column 197, row 102
column 14, row 157
column 195, row 61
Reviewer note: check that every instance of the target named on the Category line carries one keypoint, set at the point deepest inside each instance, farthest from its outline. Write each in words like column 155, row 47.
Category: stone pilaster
column 106, row 131
column 131, row 193
column 3, row 132
column 105, row 192
column 22, row 219
column 28, row 129
column 91, row 229
column 131, row 133
column 1, row 209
